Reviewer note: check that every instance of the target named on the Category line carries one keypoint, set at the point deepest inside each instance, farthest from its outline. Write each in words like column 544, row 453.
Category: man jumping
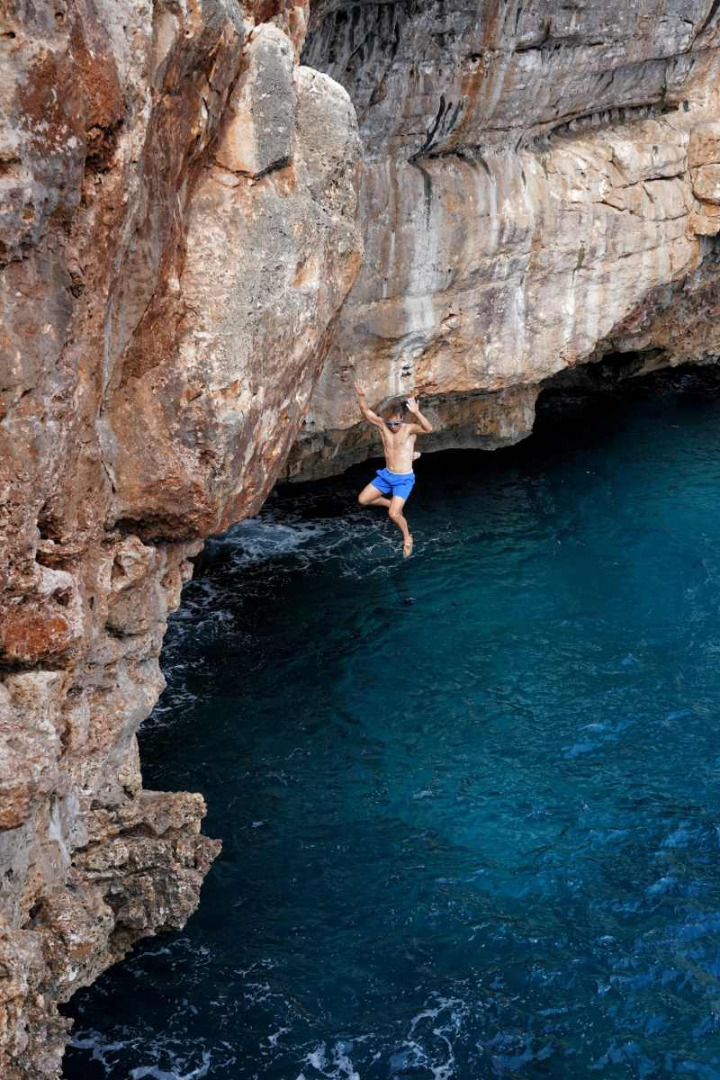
column 393, row 484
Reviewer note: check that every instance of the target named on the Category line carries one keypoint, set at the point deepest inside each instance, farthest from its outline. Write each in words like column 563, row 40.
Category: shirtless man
column 397, row 478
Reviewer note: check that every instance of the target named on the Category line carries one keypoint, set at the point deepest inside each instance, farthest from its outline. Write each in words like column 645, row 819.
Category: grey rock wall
column 539, row 189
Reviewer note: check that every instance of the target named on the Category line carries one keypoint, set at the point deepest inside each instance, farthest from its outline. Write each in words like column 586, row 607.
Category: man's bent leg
column 370, row 496
column 395, row 513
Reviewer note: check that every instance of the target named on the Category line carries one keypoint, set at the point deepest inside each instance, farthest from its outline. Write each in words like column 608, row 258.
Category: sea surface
column 469, row 803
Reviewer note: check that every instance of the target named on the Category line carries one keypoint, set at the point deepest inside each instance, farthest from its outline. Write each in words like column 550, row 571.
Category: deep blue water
column 470, row 804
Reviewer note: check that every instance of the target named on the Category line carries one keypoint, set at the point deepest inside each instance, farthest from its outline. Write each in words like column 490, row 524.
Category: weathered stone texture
column 177, row 231
column 540, row 190
column 267, row 263
column 259, row 130
column 536, row 175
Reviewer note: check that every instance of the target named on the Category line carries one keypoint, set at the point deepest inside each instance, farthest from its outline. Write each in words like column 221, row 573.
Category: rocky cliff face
column 178, row 232
column 541, row 189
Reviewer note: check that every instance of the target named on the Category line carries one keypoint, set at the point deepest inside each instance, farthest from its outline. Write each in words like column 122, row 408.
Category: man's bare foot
column 416, row 455
column 407, row 546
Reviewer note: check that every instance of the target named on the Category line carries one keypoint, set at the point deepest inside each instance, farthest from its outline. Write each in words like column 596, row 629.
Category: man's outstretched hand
column 413, row 406
column 360, row 389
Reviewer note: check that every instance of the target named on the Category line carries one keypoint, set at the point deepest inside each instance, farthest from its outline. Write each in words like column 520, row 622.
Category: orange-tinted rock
column 177, row 238
column 131, row 338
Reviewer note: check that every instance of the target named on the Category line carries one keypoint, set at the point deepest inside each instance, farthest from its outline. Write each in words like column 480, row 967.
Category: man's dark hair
column 394, row 410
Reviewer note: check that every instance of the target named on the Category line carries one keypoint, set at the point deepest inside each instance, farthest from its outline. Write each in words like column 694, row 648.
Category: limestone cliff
column 541, row 189
column 178, row 232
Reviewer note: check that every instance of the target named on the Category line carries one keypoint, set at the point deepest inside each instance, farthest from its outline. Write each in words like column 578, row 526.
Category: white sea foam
column 164, row 1059
column 429, row 1043
column 99, row 1048
column 273, row 1039
column 143, row 1072
column 333, row 1064
column 361, row 542
column 262, row 538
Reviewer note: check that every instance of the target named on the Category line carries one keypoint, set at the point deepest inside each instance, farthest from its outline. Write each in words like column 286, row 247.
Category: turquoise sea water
column 470, row 804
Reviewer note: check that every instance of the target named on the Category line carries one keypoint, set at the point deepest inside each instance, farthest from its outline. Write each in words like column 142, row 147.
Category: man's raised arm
column 423, row 425
column 365, row 409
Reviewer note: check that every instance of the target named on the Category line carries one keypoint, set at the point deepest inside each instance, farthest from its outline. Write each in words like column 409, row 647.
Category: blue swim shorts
column 392, row 483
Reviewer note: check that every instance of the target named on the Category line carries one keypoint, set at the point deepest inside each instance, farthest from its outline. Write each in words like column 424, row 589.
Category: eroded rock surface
column 177, row 211
column 540, row 190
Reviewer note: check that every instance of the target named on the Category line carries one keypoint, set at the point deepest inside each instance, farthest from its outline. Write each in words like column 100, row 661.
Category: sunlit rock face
column 177, row 210
column 540, row 188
